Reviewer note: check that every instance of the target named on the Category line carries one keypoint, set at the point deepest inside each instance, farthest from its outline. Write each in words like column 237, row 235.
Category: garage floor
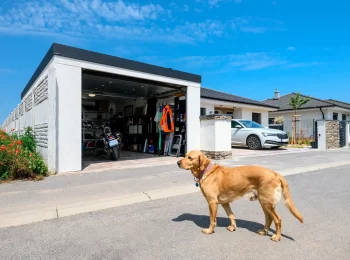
column 127, row 160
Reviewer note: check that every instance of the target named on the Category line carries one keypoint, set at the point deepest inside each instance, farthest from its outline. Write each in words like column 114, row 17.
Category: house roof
column 283, row 102
column 217, row 95
column 339, row 103
column 95, row 57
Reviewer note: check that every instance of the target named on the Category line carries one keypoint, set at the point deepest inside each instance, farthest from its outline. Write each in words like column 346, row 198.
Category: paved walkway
column 83, row 192
column 132, row 160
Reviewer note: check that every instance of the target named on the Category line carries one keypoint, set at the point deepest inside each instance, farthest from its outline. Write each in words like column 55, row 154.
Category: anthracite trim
column 95, row 57
column 240, row 102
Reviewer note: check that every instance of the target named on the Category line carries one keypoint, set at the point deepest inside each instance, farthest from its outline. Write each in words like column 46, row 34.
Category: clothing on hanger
column 167, row 121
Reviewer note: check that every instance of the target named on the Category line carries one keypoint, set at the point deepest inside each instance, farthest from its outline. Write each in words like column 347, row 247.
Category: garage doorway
column 129, row 107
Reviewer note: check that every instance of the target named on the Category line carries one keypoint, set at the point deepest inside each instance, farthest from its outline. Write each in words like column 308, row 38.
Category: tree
column 296, row 102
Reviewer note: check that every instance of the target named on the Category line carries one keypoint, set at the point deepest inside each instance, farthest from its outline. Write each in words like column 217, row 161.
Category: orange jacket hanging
column 167, row 121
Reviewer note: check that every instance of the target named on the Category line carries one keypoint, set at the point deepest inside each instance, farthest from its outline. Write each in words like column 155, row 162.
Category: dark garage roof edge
column 104, row 59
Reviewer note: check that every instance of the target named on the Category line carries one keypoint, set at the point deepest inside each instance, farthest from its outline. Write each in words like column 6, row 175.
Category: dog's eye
column 190, row 158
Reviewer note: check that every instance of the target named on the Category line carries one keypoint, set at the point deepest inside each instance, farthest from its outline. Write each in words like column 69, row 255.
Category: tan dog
column 222, row 185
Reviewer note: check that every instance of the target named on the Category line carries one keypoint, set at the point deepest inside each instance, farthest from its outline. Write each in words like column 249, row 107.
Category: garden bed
column 19, row 159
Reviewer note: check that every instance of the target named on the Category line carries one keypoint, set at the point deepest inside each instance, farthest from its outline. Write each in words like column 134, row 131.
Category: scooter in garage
column 104, row 144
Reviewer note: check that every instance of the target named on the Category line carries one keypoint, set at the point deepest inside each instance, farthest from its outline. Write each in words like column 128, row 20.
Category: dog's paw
column 231, row 228
column 208, row 231
column 262, row 232
column 276, row 238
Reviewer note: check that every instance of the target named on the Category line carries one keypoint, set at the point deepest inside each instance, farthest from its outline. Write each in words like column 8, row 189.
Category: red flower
column 10, row 145
column 19, row 142
column 30, row 155
column 18, row 151
column 3, row 148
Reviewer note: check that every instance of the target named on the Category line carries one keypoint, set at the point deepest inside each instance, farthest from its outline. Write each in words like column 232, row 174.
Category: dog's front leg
column 213, row 209
column 231, row 216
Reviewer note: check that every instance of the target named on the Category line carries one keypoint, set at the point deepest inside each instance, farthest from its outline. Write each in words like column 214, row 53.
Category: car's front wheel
column 253, row 142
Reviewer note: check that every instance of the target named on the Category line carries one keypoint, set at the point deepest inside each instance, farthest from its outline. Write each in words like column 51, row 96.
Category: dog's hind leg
column 231, row 216
column 268, row 222
column 270, row 209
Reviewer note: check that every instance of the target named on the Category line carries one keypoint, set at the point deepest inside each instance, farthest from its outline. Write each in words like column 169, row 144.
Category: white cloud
column 291, row 48
column 214, row 3
column 93, row 19
column 303, row 64
column 256, row 24
column 6, row 71
column 250, row 61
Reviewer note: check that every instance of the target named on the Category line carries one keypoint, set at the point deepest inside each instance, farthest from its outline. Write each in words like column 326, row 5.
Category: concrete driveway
column 238, row 151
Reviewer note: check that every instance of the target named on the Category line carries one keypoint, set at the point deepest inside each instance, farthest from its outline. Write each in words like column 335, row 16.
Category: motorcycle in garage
column 104, row 143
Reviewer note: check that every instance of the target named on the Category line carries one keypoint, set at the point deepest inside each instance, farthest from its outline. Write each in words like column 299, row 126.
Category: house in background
column 315, row 109
column 216, row 102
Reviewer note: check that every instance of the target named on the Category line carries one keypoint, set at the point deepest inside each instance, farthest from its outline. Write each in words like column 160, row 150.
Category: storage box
column 134, row 147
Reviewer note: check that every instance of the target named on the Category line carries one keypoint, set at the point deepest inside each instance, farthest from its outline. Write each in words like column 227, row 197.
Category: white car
column 255, row 136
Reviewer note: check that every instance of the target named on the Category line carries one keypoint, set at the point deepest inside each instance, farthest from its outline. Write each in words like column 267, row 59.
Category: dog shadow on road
column 203, row 222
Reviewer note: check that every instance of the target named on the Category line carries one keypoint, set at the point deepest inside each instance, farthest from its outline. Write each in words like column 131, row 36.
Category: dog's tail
column 288, row 202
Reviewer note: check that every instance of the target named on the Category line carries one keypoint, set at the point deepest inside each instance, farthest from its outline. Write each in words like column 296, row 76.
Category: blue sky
column 245, row 47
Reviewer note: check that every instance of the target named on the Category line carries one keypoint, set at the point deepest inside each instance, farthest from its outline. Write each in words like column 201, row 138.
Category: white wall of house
column 241, row 111
column 308, row 116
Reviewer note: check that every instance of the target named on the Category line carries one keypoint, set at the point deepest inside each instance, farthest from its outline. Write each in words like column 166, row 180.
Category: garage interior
column 129, row 106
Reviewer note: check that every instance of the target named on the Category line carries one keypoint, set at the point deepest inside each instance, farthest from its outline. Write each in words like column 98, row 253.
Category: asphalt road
column 171, row 228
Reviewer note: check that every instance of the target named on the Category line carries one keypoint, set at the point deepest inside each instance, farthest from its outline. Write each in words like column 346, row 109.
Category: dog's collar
column 202, row 173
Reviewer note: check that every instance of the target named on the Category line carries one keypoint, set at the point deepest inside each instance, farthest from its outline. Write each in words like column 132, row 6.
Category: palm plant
column 297, row 102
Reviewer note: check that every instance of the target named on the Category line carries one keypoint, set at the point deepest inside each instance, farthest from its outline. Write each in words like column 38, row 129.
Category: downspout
column 322, row 112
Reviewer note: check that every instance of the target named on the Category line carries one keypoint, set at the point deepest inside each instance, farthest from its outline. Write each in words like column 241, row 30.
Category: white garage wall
column 68, row 109
column 34, row 114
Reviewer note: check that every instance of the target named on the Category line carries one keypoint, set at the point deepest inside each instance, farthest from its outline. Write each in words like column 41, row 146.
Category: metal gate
column 315, row 135
column 342, row 133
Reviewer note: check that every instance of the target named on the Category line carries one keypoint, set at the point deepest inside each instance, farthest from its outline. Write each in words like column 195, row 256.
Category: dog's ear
column 203, row 162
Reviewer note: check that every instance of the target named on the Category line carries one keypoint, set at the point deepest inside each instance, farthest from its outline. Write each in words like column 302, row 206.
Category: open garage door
column 133, row 109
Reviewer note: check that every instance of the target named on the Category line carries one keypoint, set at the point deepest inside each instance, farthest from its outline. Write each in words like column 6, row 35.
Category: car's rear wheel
column 253, row 142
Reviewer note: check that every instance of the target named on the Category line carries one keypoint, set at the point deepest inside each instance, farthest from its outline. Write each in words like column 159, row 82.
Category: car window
column 234, row 124
column 250, row 124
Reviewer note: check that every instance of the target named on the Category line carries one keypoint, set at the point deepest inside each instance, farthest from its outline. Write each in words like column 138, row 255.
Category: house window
column 335, row 116
column 343, row 117
column 271, row 120
column 203, row 111
column 256, row 117
column 216, row 112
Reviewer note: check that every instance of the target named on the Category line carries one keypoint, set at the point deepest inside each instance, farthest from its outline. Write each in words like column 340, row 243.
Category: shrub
column 18, row 157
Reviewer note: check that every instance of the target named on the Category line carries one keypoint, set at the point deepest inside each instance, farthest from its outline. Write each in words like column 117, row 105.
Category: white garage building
column 69, row 80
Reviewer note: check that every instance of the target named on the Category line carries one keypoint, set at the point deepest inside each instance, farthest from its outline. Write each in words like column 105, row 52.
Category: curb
column 60, row 211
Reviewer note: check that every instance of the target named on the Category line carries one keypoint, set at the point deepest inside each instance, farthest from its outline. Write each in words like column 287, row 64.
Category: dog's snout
column 178, row 163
